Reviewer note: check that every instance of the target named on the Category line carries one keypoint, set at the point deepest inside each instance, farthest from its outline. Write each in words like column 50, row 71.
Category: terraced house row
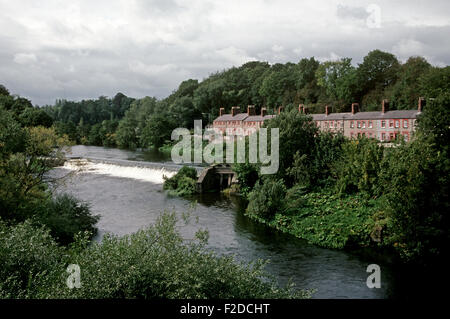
column 383, row 125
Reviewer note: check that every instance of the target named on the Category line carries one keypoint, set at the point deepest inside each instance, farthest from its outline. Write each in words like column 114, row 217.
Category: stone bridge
column 215, row 178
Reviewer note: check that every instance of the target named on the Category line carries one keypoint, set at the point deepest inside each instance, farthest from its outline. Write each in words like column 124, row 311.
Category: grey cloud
column 139, row 56
column 345, row 12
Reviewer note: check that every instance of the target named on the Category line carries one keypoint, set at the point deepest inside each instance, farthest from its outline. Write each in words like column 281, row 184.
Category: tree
column 434, row 82
column 359, row 166
column 337, row 77
column 34, row 116
column 378, row 71
column 297, row 133
column 184, row 112
column 406, row 91
column 3, row 90
column 267, row 198
column 157, row 130
column 126, row 136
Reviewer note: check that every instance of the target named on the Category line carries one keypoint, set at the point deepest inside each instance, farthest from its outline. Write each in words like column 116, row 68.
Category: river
column 125, row 189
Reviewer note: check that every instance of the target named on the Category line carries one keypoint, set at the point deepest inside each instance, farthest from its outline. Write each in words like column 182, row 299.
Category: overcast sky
column 84, row 49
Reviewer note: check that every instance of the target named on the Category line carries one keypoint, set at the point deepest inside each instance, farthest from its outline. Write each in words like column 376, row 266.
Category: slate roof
column 228, row 117
column 258, row 118
column 396, row 114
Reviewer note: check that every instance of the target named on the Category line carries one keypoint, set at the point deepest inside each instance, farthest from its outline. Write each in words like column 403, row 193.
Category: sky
column 53, row 49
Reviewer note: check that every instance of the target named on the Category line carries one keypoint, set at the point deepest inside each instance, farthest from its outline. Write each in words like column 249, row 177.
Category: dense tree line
column 148, row 122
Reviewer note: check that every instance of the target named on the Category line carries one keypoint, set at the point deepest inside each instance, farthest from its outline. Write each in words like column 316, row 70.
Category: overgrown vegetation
column 338, row 192
column 152, row 263
column 183, row 183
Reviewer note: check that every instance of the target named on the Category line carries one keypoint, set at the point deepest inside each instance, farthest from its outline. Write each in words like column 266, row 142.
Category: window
column 352, row 124
column 383, row 136
column 405, row 123
column 383, row 124
column 332, row 124
column 391, row 136
column 370, row 124
column 351, row 134
column 364, row 124
column 391, row 124
column 326, row 124
column 359, row 124
column 397, row 124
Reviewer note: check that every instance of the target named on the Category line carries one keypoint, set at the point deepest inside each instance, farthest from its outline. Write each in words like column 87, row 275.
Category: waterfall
column 148, row 172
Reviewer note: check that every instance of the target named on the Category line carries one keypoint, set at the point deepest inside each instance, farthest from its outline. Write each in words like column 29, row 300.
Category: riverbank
column 329, row 220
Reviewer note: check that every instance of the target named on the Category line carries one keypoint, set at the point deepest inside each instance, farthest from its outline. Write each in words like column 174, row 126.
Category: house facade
column 383, row 125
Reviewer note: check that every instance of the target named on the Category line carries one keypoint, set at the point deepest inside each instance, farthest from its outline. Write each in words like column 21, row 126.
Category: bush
column 359, row 166
column 27, row 255
column 182, row 183
column 65, row 216
column 267, row 199
column 152, row 263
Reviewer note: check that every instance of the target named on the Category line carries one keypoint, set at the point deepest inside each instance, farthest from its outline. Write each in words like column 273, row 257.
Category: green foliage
column 267, row 198
column 157, row 131
column 359, row 166
column 28, row 255
column 327, row 219
column 406, row 91
column 337, row 78
column 66, row 216
column 247, row 175
column 434, row 121
column 417, row 175
column 152, row 263
column 297, row 133
column 435, row 82
column 182, row 183
column 378, row 71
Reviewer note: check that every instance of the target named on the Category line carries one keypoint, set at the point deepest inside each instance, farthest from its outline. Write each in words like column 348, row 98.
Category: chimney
column 221, row 111
column 250, row 110
column 355, row 108
column 234, row 110
column 327, row 110
column 263, row 111
column 280, row 108
column 384, row 106
column 421, row 104
column 301, row 108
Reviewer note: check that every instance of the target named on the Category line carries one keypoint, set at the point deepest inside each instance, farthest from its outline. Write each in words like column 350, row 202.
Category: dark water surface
column 127, row 204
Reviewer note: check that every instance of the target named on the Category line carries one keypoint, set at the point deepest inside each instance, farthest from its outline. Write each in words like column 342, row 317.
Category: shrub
column 267, row 199
column 182, row 183
column 152, row 263
column 65, row 216
column 27, row 255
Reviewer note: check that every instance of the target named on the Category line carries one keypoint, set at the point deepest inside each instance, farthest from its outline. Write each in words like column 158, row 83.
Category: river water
column 125, row 189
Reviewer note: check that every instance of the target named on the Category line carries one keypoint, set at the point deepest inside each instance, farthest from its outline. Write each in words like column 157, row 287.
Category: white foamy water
column 147, row 174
